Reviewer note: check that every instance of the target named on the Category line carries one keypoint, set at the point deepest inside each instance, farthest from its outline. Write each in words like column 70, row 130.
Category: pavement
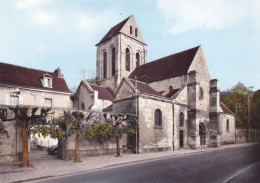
column 47, row 166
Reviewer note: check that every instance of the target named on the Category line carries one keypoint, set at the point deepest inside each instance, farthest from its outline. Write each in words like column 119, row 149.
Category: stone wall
column 152, row 138
column 11, row 148
column 242, row 136
column 163, row 85
column 227, row 135
column 89, row 147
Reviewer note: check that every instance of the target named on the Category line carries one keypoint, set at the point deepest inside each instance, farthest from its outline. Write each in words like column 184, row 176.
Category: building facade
column 174, row 97
column 20, row 86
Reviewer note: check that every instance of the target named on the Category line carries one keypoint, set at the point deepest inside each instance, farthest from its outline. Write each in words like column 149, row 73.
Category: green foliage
column 99, row 131
column 255, row 110
column 3, row 131
column 236, row 99
column 114, row 126
column 67, row 125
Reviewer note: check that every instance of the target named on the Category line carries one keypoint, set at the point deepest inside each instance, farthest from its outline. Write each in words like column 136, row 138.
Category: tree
column 99, row 131
column 88, row 75
column 27, row 114
column 121, row 124
column 3, row 118
column 255, row 110
column 236, row 99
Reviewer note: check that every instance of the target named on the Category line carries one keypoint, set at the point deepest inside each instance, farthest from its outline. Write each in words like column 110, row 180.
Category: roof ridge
column 28, row 68
column 171, row 55
column 113, row 32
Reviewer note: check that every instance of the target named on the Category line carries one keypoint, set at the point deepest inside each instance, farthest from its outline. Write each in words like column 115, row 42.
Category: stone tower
column 119, row 52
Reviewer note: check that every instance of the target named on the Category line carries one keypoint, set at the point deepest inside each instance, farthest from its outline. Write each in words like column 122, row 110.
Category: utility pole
column 136, row 146
column 248, row 102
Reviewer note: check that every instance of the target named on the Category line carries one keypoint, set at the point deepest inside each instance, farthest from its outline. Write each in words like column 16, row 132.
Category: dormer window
column 47, row 81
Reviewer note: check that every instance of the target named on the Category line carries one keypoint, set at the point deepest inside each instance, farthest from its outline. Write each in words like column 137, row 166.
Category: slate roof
column 166, row 67
column 113, row 31
column 143, row 88
column 103, row 93
column 170, row 94
column 26, row 77
column 225, row 109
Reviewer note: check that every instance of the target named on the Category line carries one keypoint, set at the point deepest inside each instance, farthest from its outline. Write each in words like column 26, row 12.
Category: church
column 176, row 101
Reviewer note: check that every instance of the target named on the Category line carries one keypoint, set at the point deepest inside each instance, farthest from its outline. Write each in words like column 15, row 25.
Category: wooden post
column 77, row 149
column 25, row 145
column 118, row 149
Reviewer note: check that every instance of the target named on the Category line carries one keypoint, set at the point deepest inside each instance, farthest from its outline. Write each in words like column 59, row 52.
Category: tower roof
column 166, row 67
column 113, row 31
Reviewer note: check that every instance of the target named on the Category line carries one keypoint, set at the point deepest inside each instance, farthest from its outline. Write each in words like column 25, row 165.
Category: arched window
column 136, row 33
column 113, row 61
column 227, row 125
column 127, row 59
column 105, row 65
column 181, row 119
column 201, row 93
column 82, row 106
column 158, row 118
column 170, row 88
column 131, row 30
column 137, row 56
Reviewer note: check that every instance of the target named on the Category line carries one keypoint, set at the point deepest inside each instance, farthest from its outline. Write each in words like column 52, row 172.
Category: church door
column 202, row 134
column 181, row 138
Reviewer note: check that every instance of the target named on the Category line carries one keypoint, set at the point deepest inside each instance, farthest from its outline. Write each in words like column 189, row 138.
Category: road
column 226, row 165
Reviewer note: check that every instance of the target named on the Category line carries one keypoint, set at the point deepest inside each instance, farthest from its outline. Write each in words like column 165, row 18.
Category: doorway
column 181, row 138
column 202, row 134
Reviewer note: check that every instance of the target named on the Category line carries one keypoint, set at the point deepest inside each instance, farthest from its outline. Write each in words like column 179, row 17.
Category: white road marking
column 239, row 172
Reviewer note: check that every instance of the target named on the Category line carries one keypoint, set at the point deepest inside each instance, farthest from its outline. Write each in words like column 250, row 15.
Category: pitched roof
column 225, row 109
column 144, row 88
column 113, row 31
column 103, row 93
column 26, row 77
column 166, row 67
column 171, row 93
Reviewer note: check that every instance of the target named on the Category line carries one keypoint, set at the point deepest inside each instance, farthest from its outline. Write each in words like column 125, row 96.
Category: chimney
column 57, row 72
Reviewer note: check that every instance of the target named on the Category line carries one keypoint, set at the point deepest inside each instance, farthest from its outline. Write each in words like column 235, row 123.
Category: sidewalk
column 44, row 165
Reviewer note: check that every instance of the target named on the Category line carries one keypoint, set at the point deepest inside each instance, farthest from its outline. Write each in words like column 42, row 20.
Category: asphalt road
column 227, row 165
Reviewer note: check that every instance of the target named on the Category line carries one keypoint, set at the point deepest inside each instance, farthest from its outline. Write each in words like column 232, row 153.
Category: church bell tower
column 119, row 52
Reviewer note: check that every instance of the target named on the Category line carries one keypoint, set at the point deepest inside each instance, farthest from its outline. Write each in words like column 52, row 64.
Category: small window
column 113, row 61
column 131, row 30
column 47, row 82
column 14, row 100
column 158, row 118
column 181, row 119
column 82, row 106
column 201, row 93
column 127, row 59
column 105, row 65
column 137, row 56
column 227, row 125
column 48, row 102
column 136, row 33
column 170, row 88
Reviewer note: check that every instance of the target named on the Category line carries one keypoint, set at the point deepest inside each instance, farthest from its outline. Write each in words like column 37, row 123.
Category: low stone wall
column 242, row 136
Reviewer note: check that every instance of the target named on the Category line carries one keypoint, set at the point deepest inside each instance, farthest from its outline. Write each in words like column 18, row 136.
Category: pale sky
column 46, row 34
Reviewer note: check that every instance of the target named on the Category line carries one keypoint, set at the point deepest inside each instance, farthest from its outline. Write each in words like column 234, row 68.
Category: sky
column 47, row 34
